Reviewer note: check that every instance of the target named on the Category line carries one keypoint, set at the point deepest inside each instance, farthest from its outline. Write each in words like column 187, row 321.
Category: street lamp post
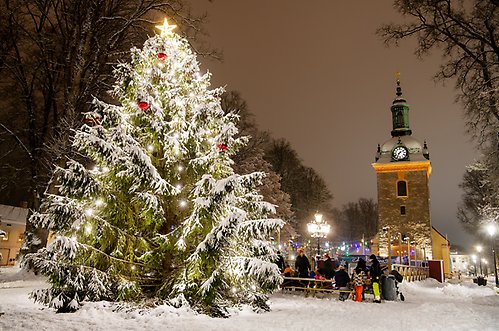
column 389, row 235
column 473, row 258
column 400, row 247
column 408, row 240
column 479, row 250
column 486, row 263
column 318, row 229
column 491, row 229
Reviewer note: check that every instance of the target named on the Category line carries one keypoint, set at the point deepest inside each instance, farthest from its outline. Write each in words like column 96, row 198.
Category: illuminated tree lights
column 160, row 213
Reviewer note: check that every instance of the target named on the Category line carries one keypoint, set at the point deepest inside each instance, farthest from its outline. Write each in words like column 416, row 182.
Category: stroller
column 390, row 289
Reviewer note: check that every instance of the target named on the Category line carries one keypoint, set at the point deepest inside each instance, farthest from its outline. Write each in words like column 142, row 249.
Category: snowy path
column 428, row 306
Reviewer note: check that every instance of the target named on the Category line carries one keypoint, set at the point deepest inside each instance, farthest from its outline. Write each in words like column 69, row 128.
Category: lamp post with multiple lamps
column 492, row 229
column 318, row 229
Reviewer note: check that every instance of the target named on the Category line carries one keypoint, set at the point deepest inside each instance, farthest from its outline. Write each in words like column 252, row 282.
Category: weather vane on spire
column 399, row 89
column 166, row 29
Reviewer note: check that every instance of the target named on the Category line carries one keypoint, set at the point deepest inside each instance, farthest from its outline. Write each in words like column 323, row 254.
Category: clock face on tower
column 400, row 153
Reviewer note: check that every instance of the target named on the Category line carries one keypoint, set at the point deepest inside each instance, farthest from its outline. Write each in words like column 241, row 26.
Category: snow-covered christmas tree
column 153, row 207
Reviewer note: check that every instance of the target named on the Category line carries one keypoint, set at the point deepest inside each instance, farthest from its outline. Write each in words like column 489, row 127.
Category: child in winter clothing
column 358, row 279
column 288, row 272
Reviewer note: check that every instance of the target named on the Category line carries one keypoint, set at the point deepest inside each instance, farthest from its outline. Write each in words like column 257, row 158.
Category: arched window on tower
column 401, row 188
column 399, row 118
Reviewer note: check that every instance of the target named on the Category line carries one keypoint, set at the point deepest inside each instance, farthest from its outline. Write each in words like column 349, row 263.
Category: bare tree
column 55, row 55
column 480, row 200
column 357, row 220
column 307, row 189
column 466, row 32
column 298, row 191
column 251, row 157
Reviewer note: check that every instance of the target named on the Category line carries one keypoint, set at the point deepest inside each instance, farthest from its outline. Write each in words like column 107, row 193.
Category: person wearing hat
column 375, row 274
column 302, row 264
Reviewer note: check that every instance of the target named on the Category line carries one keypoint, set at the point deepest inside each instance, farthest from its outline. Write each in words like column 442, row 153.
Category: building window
column 399, row 119
column 4, row 236
column 402, row 210
column 401, row 188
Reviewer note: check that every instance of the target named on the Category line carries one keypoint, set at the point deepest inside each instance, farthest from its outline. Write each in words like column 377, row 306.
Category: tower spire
column 399, row 89
column 400, row 113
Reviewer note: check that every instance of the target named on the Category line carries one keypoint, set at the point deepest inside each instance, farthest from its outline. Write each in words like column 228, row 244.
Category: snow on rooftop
column 11, row 214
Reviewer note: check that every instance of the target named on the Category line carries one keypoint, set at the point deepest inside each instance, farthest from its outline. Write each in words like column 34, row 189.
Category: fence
column 411, row 273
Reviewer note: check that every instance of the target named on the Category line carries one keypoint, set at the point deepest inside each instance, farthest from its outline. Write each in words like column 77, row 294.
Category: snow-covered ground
column 428, row 306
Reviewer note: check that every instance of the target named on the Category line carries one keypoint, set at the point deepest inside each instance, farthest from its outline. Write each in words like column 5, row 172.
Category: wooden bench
column 312, row 285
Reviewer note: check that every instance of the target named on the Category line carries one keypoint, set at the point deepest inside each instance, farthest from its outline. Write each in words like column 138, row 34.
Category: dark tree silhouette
column 466, row 32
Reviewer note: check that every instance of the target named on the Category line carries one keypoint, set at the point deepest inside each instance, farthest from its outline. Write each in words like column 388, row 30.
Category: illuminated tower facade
column 403, row 171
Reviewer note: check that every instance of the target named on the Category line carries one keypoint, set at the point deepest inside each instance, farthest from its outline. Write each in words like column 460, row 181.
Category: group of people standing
column 361, row 274
column 326, row 269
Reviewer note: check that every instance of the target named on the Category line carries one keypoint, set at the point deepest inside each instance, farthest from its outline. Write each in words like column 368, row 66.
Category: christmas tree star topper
column 166, row 29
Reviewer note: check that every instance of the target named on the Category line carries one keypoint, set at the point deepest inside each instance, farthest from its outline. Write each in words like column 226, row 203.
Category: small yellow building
column 441, row 250
column 12, row 226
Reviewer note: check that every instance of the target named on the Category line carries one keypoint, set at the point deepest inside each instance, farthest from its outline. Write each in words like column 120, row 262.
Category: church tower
column 403, row 170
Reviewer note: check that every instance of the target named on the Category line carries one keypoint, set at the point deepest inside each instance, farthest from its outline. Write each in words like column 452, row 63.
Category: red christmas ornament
column 222, row 147
column 143, row 105
column 162, row 56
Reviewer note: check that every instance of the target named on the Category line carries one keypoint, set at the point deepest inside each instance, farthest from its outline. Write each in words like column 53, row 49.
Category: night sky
column 316, row 74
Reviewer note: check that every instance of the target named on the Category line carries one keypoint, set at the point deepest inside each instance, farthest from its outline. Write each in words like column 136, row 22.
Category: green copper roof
column 400, row 115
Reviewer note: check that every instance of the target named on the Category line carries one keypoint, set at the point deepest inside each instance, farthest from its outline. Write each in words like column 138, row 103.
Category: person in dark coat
column 280, row 262
column 375, row 274
column 361, row 265
column 327, row 267
column 341, row 280
column 302, row 264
